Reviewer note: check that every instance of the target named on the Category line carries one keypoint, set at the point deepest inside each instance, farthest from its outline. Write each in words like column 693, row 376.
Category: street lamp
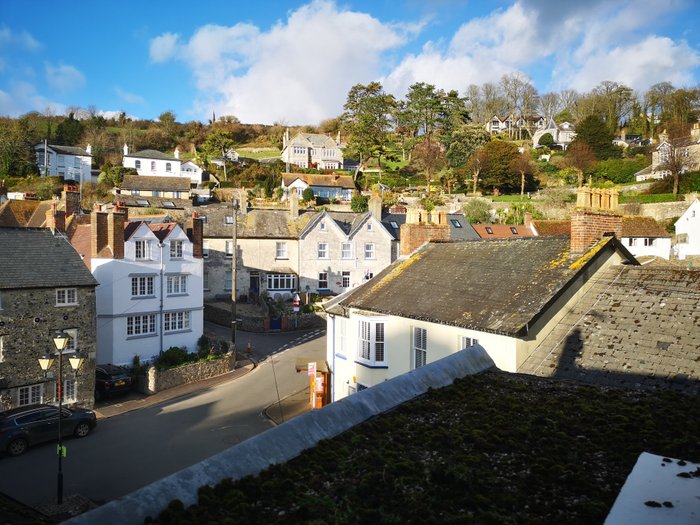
column 234, row 256
column 60, row 341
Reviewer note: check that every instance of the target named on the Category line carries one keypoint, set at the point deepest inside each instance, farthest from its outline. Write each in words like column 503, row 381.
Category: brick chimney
column 55, row 219
column 71, row 200
column 595, row 216
column 375, row 205
column 98, row 232
column 196, row 235
column 293, row 203
column 419, row 229
column 115, row 234
column 121, row 207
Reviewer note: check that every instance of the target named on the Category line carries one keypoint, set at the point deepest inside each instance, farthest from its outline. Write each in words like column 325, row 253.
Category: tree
column 616, row 102
column 521, row 164
column 550, row 104
column 495, row 171
column 580, row 156
column 17, row 158
column 546, row 140
column 474, row 165
column 465, row 140
column 367, row 119
column 428, row 157
column 477, row 211
column 70, row 131
column 359, row 203
column 593, row 131
column 308, row 194
column 219, row 142
column 168, row 125
column 674, row 157
column 449, row 179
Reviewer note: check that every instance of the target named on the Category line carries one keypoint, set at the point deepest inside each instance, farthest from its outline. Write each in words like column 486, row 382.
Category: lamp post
column 60, row 341
column 234, row 255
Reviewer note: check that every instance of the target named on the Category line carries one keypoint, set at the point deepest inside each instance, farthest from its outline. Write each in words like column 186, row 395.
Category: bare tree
column 580, row 156
column 674, row 156
column 550, row 104
column 521, row 164
column 475, row 163
column 428, row 156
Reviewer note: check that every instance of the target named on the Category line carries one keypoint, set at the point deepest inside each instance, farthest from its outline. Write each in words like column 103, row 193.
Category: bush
column 620, row 171
column 477, row 211
column 172, row 357
column 203, row 347
column 307, row 194
column 359, row 203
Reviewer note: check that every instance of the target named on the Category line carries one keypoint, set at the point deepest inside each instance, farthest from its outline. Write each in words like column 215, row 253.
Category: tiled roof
column 552, row 228
column 314, row 139
column 635, row 327
column 162, row 229
column 38, row 219
column 82, row 243
column 39, row 259
column 495, row 286
column 638, row 226
column 152, row 154
column 141, row 182
column 501, row 231
column 330, row 181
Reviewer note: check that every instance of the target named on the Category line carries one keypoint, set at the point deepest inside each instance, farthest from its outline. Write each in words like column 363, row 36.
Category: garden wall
column 157, row 380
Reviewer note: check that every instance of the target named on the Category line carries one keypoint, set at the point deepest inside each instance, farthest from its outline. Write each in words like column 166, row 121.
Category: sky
column 293, row 62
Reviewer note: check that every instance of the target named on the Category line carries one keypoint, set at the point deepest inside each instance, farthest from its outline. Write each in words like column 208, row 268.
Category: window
column 30, row 395
column 61, row 161
column 370, row 227
column 456, row 223
column 281, row 250
column 394, row 224
column 141, row 249
column 168, row 167
column 66, row 296
column 205, row 280
column 69, row 394
column 205, row 249
column 176, row 249
column 141, row 324
column 346, row 279
column 228, row 219
column 176, row 321
column 141, row 286
column 177, row 284
column 322, row 226
column 369, row 250
column 323, row 250
column 514, row 231
column 138, row 164
column 227, row 281
column 420, row 351
column 153, row 165
column 229, row 248
column 72, row 340
column 281, row 281
column 648, row 242
column 371, row 342
column 323, row 280
column 368, row 275
column 346, row 250
column 632, row 241
column 466, row 342
column 76, row 162
column 489, row 230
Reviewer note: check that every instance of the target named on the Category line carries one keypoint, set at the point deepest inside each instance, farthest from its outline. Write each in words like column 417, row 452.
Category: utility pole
column 234, row 257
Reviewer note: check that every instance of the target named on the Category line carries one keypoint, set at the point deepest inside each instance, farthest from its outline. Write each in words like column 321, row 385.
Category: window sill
column 139, row 297
column 281, row 258
column 62, row 305
column 367, row 364
column 341, row 356
column 140, row 336
column 181, row 331
column 177, row 294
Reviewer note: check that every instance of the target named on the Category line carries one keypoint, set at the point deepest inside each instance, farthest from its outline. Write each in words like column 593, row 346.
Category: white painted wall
column 191, row 170
column 155, row 167
column 70, row 167
column 661, row 246
column 689, row 225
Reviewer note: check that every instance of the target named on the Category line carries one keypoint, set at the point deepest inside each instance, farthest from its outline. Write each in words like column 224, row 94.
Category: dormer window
column 489, row 230
column 456, row 223
column 394, row 225
column 141, row 250
column 514, row 231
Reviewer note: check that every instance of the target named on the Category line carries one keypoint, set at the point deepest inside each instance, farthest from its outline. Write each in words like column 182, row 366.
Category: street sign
column 312, row 369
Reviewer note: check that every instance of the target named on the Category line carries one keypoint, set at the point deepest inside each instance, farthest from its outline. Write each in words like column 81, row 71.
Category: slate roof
column 329, row 181
column 638, row 226
column 635, row 327
column 65, row 150
column 501, row 231
column 14, row 213
column 32, row 258
column 38, row 218
column 495, row 286
column 257, row 223
column 316, row 140
column 142, row 182
column 152, row 154
column 464, row 232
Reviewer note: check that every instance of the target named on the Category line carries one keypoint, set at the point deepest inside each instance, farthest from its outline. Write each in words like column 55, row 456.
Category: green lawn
column 259, row 153
column 646, row 199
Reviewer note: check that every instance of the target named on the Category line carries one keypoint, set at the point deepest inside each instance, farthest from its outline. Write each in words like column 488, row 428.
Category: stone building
column 44, row 288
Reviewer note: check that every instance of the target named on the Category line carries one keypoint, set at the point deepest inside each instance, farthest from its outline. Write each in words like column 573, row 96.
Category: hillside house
column 688, row 231
column 312, row 150
column 325, row 187
column 563, row 134
column 70, row 162
column 153, row 163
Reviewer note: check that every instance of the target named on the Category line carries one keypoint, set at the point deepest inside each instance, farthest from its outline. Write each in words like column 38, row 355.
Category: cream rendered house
column 308, row 150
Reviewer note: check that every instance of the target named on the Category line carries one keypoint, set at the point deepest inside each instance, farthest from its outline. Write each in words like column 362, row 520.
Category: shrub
column 203, row 347
column 307, row 194
column 477, row 211
column 359, row 203
column 172, row 357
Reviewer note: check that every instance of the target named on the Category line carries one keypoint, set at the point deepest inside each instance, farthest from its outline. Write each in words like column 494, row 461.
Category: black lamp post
column 60, row 341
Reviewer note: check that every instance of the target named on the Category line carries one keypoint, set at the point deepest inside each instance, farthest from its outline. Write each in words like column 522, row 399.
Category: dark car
column 29, row 425
column 111, row 380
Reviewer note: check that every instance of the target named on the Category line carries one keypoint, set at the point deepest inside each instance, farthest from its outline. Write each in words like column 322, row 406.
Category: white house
column 308, row 150
column 154, row 163
column 329, row 187
column 149, row 296
column 643, row 236
column 193, row 171
column 69, row 162
column 563, row 134
column 688, row 231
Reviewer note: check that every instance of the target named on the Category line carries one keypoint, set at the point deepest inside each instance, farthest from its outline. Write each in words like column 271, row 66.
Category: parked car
column 111, row 380
column 28, row 425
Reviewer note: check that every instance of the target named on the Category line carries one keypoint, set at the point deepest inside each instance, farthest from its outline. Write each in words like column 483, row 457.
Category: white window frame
column 466, row 342
column 346, row 250
column 322, row 278
column 648, row 241
column 419, row 346
column 176, row 321
column 371, row 341
column 281, row 281
column 176, row 284
column 66, row 296
column 70, row 391
column 137, row 325
column 205, row 249
column 228, row 219
column 345, row 279
column 229, row 249
column 143, row 286
column 34, row 394
column 142, row 250
column 176, row 249
column 322, row 250
column 281, row 250
column 369, row 251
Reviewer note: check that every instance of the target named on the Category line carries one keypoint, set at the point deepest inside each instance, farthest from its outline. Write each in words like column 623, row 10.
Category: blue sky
column 293, row 62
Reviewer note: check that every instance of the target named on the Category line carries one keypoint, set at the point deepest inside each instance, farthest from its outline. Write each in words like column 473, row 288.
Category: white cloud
column 299, row 71
column 23, row 39
column 64, row 78
column 22, row 98
column 126, row 96
column 163, row 47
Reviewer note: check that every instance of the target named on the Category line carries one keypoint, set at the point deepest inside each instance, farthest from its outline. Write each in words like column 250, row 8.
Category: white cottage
column 154, row 163
column 688, row 231
column 70, row 162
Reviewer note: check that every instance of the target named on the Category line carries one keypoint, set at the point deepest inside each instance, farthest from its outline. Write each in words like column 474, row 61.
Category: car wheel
column 82, row 430
column 17, row 447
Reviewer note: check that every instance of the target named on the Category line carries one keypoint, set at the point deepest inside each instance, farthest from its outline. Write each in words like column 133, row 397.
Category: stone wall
column 661, row 211
column 163, row 379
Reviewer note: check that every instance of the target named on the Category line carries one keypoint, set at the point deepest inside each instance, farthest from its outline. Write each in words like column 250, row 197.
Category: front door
column 255, row 283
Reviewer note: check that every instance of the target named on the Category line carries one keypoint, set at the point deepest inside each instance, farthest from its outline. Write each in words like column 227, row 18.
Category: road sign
column 312, row 369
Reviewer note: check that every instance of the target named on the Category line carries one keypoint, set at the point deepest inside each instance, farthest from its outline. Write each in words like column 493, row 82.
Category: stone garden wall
column 157, row 380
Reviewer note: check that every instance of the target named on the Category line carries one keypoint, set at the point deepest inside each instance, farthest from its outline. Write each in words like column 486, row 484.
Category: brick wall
column 414, row 235
column 588, row 225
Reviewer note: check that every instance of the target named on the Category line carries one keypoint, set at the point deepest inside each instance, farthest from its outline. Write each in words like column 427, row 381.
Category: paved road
column 133, row 449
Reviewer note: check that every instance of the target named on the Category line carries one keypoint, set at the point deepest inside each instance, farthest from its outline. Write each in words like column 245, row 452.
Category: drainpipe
column 162, row 293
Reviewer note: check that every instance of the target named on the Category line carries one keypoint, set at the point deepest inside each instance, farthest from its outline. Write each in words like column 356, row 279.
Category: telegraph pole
column 234, row 257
